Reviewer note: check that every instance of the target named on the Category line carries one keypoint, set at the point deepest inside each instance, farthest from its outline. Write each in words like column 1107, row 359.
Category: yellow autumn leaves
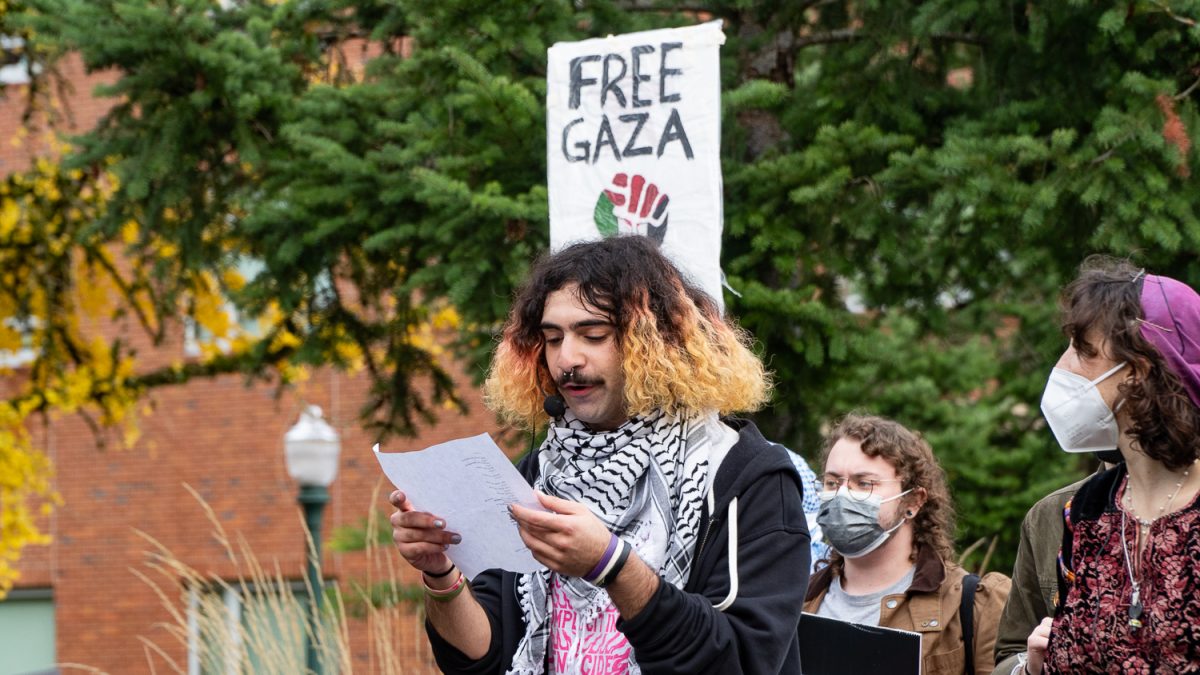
column 35, row 243
column 70, row 299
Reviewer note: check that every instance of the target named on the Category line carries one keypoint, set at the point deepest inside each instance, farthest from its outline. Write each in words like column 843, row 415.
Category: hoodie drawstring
column 733, row 551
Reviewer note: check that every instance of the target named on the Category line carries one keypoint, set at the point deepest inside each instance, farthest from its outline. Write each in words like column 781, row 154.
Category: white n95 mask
column 1077, row 414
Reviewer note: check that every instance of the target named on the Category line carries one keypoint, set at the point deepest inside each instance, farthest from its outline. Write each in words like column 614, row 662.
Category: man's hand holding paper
column 421, row 537
column 565, row 536
column 460, row 489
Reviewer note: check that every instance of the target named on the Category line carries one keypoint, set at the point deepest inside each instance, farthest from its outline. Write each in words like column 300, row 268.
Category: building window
column 27, row 632
column 196, row 335
column 24, row 354
column 14, row 64
column 232, row 629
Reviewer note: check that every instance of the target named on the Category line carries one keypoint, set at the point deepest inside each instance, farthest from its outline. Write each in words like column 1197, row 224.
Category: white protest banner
column 633, row 143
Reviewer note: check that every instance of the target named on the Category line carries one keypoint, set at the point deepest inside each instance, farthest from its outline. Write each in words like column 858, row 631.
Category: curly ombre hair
column 678, row 353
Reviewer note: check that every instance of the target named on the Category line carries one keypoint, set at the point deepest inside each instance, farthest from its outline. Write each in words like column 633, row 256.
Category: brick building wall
column 223, row 438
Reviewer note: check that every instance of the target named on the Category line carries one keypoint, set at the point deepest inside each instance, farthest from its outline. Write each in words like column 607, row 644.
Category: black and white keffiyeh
column 646, row 481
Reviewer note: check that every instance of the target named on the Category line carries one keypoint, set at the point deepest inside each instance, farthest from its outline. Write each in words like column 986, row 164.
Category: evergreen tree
column 907, row 185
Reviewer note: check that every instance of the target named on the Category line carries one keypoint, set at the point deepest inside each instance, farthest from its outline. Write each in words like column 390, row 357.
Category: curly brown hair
column 913, row 459
column 1102, row 311
column 678, row 353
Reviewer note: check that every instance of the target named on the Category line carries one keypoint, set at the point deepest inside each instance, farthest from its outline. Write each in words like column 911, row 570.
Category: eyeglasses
column 859, row 487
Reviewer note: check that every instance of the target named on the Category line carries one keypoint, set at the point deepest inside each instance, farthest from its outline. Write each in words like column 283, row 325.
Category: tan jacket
column 930, row 607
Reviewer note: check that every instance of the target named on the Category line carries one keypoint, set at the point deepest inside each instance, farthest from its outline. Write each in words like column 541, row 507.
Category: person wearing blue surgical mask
column 888, row 517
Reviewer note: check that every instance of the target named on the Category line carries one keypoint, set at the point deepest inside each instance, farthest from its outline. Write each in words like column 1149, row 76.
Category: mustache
column 577, row 379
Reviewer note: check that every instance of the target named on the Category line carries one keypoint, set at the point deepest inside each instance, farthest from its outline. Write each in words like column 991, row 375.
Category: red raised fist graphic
column 632, row 206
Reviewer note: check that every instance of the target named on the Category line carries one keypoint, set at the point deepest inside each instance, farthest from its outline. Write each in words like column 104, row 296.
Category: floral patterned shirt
column 1092, row 630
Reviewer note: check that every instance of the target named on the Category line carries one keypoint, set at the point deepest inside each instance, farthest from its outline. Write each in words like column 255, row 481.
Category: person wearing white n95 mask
column 1127, row 590
column 1076, row 412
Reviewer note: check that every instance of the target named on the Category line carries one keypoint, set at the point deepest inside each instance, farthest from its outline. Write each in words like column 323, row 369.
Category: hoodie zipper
column 703, row 540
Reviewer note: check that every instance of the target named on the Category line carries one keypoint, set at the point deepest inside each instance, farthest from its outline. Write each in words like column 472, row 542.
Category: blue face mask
column 852, row 525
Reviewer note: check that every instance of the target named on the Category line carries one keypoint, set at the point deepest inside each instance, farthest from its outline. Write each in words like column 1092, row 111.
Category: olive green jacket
column 1034, row 579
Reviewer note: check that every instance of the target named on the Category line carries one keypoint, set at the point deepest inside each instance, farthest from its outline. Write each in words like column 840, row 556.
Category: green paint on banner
column 606, row 222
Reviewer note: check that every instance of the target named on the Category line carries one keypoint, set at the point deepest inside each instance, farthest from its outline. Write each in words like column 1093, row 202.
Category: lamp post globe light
column 311, row 449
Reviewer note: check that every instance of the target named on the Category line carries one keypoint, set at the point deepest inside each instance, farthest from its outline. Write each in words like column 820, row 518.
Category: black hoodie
column 682, row 631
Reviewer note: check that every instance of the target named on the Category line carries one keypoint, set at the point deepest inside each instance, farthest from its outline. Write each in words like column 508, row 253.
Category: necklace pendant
column 1135, row 609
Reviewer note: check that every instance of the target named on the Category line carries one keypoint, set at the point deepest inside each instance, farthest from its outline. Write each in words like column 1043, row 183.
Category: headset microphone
column 554, row 405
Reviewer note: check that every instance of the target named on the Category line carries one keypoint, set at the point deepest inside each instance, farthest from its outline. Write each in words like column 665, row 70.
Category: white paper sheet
column 469, row 483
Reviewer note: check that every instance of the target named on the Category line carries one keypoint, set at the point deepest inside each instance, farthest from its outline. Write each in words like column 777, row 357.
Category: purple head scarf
column 1172, row 325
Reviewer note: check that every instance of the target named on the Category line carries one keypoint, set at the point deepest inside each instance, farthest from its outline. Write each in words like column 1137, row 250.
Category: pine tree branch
column 851, row 34
column 1187, row 92
column 1101, row 158
column 1162, row 6
column 839, row 35
column 642, row 6
column 965, row 38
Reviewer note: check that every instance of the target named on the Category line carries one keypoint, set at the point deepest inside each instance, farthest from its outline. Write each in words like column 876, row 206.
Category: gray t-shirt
column 864, row 609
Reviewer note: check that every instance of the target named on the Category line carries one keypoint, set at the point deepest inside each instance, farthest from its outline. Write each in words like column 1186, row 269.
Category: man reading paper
column 675, row 539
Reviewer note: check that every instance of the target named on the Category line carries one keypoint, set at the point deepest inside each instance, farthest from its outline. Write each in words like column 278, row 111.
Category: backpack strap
column 966, row 615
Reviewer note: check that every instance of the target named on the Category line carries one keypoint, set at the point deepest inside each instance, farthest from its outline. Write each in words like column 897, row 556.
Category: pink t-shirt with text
column 605, row 651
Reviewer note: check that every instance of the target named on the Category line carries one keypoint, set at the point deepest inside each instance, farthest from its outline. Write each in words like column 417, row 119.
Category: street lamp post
column 311, row 449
